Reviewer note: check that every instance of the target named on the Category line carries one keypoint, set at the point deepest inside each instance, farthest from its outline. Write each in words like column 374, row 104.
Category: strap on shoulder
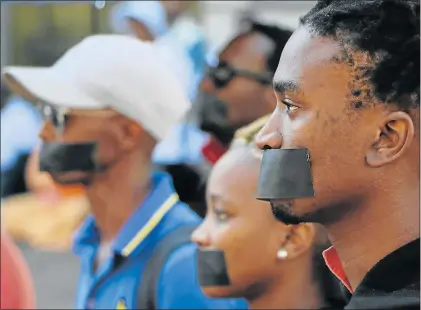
column 147, row 292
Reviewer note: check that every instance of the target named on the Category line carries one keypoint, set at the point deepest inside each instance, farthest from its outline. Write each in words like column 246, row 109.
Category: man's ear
column 392, row 140
column 129, row 132
column 300, row 240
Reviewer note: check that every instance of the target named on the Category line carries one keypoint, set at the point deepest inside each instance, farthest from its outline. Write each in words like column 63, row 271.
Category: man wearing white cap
column 107, row 102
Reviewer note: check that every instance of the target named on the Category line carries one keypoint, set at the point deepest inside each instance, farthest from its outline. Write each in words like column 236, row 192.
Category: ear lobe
column 300, row 240
column 392, row 140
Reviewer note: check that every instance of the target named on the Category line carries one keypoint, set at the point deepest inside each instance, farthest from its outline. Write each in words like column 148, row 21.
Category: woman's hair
column 331, row 290
column 247, row 133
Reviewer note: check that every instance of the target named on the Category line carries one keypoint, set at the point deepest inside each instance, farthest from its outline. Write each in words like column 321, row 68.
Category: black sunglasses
column 222, row 75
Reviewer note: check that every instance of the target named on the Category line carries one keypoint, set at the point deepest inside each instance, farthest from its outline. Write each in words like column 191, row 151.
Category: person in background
column 348, row 96
column 146, row 20
column 107, row 102
column 234, row 92
column 20, row 122
column 182, row 45
column 271, row 265
column 238, row 90
column 48, row 215
column 16, row 286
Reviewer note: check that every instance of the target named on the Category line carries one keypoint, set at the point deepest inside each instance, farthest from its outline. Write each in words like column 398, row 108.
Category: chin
column 304, row 210
column 290, row 212
column 227, row 291
column 70, row 178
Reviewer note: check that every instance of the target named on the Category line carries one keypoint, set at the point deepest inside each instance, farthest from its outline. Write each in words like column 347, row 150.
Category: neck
column 287, row 291
column 115, row 194
column 380, row 226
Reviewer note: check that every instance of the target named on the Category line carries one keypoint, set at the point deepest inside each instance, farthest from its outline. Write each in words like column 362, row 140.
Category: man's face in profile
column 314, row 110
column 236, row 90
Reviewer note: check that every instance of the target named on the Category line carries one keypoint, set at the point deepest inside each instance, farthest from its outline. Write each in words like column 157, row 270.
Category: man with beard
column 107, row 102
column 234, row 92
column 342, row 147
column 237, row 91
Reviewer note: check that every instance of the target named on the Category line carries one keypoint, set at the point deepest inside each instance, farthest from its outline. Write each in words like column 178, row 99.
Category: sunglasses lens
column 222, row 75
column 53, row 115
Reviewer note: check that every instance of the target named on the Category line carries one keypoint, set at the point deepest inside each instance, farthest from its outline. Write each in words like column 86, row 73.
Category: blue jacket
column 111, row 288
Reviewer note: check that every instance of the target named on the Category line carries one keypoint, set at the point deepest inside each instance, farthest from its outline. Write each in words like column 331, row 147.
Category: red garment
column 333, row 262
column 16, row 286
column 213, row 150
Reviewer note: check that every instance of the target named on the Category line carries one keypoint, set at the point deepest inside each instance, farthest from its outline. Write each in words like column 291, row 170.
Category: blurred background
column 37, row 33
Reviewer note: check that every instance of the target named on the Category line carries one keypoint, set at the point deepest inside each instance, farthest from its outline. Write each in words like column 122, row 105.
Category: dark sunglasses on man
column 223, row 73
column 60, row 116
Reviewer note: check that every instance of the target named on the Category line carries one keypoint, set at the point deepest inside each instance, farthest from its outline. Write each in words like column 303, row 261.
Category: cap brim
column 48, row 85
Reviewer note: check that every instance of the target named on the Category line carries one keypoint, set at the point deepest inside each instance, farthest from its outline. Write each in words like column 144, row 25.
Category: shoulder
column 181, row 260
column 183, row 214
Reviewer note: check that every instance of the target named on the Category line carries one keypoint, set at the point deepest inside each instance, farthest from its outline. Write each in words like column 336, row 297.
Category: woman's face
column 240, row 226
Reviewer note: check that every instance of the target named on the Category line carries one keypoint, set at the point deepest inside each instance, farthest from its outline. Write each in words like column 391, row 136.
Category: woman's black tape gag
column 212, row 268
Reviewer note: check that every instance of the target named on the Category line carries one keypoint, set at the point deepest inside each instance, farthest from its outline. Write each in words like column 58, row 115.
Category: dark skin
column 117, row 192
column 140, row 30
column 365, row 162
column 250, row 237
column 248, row 52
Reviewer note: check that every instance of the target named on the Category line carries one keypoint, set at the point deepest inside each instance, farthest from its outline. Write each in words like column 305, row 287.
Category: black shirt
column 393, row 283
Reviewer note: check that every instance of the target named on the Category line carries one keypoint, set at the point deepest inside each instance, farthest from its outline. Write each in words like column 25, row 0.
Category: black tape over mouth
column 212, row 268
column 68, row 157
column 285, row 174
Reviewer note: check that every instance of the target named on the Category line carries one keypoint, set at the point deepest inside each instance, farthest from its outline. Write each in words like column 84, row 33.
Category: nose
column 207, row 85
column 201, row 237
column 48, row 132
column 269, row 137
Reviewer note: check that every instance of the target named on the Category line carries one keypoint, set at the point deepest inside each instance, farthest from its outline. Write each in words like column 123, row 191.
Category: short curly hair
column 389, row 32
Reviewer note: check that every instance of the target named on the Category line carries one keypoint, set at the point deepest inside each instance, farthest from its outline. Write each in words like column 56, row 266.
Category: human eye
column 221, row 215
column 290, row 107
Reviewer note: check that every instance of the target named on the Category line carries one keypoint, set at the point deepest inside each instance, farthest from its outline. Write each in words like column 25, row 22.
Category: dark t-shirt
column 393, row 283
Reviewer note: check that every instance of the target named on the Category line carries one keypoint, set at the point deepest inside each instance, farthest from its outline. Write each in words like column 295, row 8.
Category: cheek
column 241, row 96
column 107, row 142
column 108, row 147
column 246, row 249
column 337, row 156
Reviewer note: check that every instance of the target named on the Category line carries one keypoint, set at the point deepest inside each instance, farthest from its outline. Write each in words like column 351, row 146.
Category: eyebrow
column 285, row 86
column 215, row 198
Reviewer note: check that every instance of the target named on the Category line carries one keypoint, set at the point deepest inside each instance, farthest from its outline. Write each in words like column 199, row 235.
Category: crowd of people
column 283, row 175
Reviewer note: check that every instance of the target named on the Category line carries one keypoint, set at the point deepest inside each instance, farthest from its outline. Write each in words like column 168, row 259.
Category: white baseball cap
column 108, row 71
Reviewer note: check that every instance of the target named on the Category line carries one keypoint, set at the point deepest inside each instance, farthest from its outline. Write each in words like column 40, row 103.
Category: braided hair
column 388, row 32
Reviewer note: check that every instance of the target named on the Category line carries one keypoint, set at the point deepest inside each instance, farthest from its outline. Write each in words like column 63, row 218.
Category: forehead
column 235, row 174
column 306, row 53
column 246, row 49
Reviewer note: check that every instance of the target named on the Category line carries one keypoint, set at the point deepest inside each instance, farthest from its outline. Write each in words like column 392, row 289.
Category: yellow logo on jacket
column 121, row 304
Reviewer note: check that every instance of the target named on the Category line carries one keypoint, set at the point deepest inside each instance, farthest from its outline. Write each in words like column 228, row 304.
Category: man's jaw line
column 116, row 193
column 371, row 231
